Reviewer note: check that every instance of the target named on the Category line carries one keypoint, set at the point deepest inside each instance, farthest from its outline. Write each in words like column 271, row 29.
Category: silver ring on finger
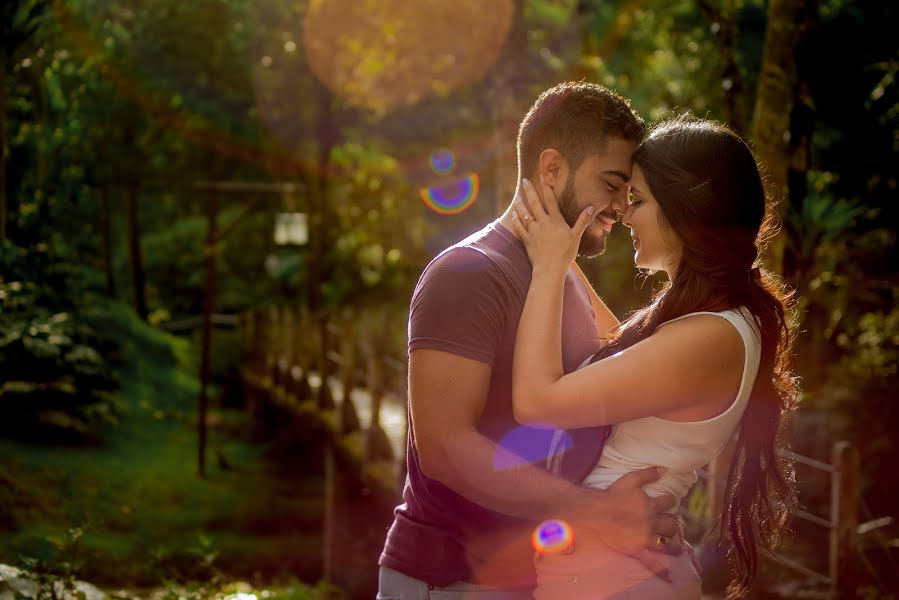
column 526, row 220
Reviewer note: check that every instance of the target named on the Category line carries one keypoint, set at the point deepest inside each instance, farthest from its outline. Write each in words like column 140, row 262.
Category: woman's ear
column 553, row 167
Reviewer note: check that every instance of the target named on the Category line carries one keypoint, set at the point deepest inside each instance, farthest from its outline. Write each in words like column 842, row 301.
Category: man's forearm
column 491, row 476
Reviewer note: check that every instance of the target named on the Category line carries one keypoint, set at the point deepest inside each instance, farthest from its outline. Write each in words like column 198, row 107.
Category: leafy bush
column 55, row 356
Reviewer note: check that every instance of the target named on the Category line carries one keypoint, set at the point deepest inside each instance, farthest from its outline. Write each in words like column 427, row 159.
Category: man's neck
column 506, row 220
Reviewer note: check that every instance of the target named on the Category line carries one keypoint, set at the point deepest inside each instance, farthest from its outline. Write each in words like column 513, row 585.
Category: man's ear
column 553, row 167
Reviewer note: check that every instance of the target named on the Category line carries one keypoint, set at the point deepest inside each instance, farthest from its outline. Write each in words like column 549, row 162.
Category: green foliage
column 52, row 347
column 19, row 20
column 239, row 590
column 53, row 584
column 141, row 513
column 874, row 349
column 372, row 232
column 58, row 580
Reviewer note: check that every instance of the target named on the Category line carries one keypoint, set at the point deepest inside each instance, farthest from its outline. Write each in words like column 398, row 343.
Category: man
column 478, row 483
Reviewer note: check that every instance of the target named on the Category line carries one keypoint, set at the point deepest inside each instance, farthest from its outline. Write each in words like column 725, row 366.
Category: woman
column 707, row 358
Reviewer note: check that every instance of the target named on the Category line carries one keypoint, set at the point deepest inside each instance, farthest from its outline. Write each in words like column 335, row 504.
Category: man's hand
column 632, row 522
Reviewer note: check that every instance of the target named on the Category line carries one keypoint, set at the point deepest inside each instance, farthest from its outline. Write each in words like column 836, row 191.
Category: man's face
column 601, row 181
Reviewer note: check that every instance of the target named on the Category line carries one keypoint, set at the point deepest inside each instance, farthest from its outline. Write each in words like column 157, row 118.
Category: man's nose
column 619, row 203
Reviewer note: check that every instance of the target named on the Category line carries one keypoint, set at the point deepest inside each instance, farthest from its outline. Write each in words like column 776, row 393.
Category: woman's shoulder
column 737, row 313
column 704, row 338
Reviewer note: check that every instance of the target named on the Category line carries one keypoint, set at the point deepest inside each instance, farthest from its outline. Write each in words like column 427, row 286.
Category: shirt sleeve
column 457, row 306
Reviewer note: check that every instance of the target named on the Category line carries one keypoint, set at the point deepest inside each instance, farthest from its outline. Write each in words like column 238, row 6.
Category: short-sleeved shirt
column 468, row 302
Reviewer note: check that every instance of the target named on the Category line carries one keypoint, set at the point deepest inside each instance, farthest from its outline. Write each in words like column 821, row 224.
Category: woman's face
column 656, row 246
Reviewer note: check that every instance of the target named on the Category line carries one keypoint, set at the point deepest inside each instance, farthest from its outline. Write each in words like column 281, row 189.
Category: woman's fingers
column 550, row 201
column 520, row 230
column 583, row 221
column 519, row 207
column 532, row 200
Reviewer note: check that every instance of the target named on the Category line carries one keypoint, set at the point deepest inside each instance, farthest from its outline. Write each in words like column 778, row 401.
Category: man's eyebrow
column 624, row 177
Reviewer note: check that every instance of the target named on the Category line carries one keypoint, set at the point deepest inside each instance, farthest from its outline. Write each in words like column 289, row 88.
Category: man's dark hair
column 576, row 119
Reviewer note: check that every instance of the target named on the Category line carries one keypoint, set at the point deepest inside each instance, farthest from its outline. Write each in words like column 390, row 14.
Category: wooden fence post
column 271, row 351
column 349, row 419
column 282, row 365
column 844, row 516
column 249, row 344
column 288, row 333
column 331, row 483
column 377, row 444
column 325, row 398
column 299, row 368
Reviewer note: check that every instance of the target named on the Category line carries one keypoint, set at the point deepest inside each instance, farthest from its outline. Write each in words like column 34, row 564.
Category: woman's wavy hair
column 710, row 191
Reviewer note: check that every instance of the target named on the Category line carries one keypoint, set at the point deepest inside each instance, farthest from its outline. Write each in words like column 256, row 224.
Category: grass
column 133, row 511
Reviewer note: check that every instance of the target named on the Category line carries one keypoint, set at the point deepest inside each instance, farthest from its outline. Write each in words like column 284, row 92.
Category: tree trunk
column 138, row 277
column 797, row 264
column 2, row 146
column 326, row 134
column 725, row 14
column 211, row 254
column 788, row 21
column 106, row 229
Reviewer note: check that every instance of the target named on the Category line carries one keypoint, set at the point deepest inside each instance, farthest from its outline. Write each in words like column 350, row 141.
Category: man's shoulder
column 461, row 303
column 461, row 258
column 485, row 252
column 458, row 269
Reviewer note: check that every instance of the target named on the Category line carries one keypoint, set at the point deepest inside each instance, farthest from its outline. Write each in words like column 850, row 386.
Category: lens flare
column 552, row 537
column 384, row 54
column 523, row 445
column 452, row 198
column 443, row 161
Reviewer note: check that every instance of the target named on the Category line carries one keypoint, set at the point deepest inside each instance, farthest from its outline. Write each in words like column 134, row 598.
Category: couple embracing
column 530, row 402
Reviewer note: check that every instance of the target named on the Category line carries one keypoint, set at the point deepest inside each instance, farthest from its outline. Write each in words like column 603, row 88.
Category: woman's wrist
column 549, row 272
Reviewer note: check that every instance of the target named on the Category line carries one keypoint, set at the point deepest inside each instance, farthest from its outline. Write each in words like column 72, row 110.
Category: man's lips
column 606, row 221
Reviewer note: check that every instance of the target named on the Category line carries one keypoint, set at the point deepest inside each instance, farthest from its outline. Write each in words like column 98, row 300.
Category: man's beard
column 591, row 245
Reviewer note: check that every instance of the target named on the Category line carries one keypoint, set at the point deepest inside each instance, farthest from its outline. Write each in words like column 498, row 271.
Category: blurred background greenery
column 128, row 128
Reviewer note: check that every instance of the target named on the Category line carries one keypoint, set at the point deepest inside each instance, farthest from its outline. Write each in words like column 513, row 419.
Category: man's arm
column 447, row 396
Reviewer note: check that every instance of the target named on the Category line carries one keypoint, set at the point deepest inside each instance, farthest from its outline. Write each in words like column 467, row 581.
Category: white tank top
column 682, row 447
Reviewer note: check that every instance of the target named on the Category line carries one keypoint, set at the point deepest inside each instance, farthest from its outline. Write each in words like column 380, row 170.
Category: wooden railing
column 842, row 524
column 291, row 360
column 285, row 351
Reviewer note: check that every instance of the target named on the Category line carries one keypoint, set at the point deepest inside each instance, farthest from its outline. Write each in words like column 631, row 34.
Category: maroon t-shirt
column 468, row 302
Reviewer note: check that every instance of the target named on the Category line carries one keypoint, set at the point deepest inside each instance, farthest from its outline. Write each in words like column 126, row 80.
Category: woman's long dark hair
column 708, row 186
